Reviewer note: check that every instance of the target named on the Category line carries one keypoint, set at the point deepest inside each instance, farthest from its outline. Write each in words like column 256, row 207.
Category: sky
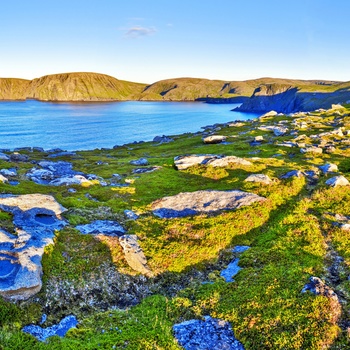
column 150, row 40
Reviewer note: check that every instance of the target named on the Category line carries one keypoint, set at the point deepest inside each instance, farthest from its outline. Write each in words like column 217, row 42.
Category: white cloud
column 138, row 31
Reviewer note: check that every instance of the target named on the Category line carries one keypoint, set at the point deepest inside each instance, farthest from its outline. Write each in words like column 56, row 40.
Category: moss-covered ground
column 292, row 237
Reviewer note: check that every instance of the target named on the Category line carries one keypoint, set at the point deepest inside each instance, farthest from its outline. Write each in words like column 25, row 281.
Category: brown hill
column 13, row 89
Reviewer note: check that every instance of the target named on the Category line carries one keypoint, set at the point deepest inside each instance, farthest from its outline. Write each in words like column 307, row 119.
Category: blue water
column 82, row 126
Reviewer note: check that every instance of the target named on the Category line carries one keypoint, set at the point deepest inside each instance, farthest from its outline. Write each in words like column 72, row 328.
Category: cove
column 90, row 125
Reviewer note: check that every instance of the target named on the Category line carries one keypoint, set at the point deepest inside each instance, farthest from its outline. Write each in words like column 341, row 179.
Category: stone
column 140, row 162
column 277, row 130
column 207, row 334
column 292, row 173
column 134, row 254
column 202, row 202
column 328, row 168
column 62, row 154
column 312, row 149
column 3, row 179
column 163, row 139
column 105, row 227
column 329, row 149
column 186, row 161
column 231, row 270
column 258, row 138
column 145, row 170
column 130, row 215
column 8, row 172
column 3, row 156
column 36, row 217
column 71, row 180
column 17, row 157
column 287, row 144
column 240, row 248
column 59, row 329
column 213, row 139
column 269, row 114
column 337, row 181
column 261, row 178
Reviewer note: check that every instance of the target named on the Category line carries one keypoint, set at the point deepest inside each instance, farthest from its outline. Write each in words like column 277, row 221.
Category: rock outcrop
column 202, row 202
column 36, row 217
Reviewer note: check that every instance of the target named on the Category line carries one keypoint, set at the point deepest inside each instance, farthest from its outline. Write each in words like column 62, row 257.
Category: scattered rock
column 36, row 217
column 292, row 173
column 328, row 168
column 199, row 202
column 312, row 149
column 287, row 144
column 206, row 335
column 186, row 161
column 140, row 162
column 130, row 215
column 145, row 170
column 277, row 130
column 59, row 329
column 3, row 179
column 259, row 139
column 213, row 139
column 134, row 254
column 269, row 114
column 261, row 178
column 337, row 181
column 8, row 172
column 62, row 154
column 17, row 157
column 3, row 156
column 163, row 139
column 105, row 227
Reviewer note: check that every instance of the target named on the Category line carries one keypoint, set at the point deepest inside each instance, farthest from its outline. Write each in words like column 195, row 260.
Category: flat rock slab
column 105, row 227
column 59, row 329
column 193, row 203
column 186, row 161
column 206, row 335
column 36, row 217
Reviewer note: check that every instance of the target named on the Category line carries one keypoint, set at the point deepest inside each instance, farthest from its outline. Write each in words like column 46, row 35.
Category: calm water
column 82, row 126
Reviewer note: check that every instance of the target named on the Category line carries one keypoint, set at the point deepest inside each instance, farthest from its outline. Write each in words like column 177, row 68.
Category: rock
column 287, row 144
column 130, row 215
column 312, row 149
column 71, row 180
column 59, row 329
column 162, row 139
column 231, row 270
column 62, row 154
column 3, row 179
column 328, row 168
column 269, row 114
column 206, row 335
column 277, row 130
column 38, row 149
column 329, row 149
column 292, row 173
column 185, row 162
column 261, row 178
column 140, row 162
column 258, row 138
column 145, row 170
column 337, row 181
column 8, row 172
column 17, row 157
column 3, row 156
column 200, row 202
column 213, row 139
column 105, row 227
column 134, row 254
column 240, row 248
column 36, row 217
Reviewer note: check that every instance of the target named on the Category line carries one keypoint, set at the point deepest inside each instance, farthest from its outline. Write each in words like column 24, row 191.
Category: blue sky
column 146, row 41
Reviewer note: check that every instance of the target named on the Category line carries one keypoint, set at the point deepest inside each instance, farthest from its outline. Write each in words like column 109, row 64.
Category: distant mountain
column 257, row 95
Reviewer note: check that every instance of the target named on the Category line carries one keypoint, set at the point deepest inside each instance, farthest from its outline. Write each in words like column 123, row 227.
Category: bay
column 84, row 126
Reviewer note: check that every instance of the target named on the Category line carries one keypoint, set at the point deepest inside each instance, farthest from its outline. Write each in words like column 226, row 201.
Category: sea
column 89, row 125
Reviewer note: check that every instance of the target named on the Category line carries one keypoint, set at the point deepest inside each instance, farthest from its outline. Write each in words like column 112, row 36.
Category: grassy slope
column 13, row 89
column 290, row 238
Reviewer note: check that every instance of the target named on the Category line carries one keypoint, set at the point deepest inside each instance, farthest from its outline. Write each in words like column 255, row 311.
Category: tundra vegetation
column 298, row 232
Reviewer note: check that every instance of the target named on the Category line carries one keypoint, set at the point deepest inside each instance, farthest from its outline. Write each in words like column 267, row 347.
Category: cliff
column 13, row 89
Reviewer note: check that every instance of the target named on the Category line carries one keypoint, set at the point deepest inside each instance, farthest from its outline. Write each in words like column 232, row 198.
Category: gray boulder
column 105, row 227
column 328, row 168
column 140, row 162
column 337, row 181
column 213, row 139
column 200, row 202
column 3, row 156
column 17, row 157
column 209, row 334
column 261, row 178
column 3, row 179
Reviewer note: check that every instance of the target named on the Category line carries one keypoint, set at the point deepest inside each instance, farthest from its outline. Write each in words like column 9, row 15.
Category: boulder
column 17, row 157
column 130, row 215
column 328, row 168
column 316, row 150
column 134, row 254
column 337, row 181
column 105, row 227
column 292, row 173
column 261, row 178
column 3, row 156
column 140, row 162
column 210, row 333
column 8, row 172
column 213, row 139
column 186, row 161
column 277, row 130
column 3, row 179
column 162, row 139
column 36, row 217
column 200, row 202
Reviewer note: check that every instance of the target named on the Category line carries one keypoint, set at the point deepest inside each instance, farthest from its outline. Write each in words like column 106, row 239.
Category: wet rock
column 261, row 178
column 208, row 334
column 105, row 227
column 140, row 162
column 134, row 254
column 17, row 157
column 200, row 202
column 328, row 168
column 59, row 329
column 36, row 217
column 186, row 161
column 213, row 139
column 337, row 181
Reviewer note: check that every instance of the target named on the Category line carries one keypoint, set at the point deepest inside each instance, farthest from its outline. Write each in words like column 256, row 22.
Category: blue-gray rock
column 292, row 173
column 337, row 181
column 209, row 334
column 59, row 329
column 231, row 270
column 3, row 156
column 130, row 215
column 140, row 162
column 8, row 172
column 328, row 167
column 105, row 227
column 240, row 248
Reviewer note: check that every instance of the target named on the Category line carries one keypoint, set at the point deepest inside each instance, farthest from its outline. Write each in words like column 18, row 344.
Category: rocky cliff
column 13, row 89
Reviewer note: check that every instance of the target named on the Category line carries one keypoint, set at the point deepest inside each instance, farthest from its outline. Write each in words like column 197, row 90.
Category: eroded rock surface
column 192, row 203
column 211, row 333
column 36, row 217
